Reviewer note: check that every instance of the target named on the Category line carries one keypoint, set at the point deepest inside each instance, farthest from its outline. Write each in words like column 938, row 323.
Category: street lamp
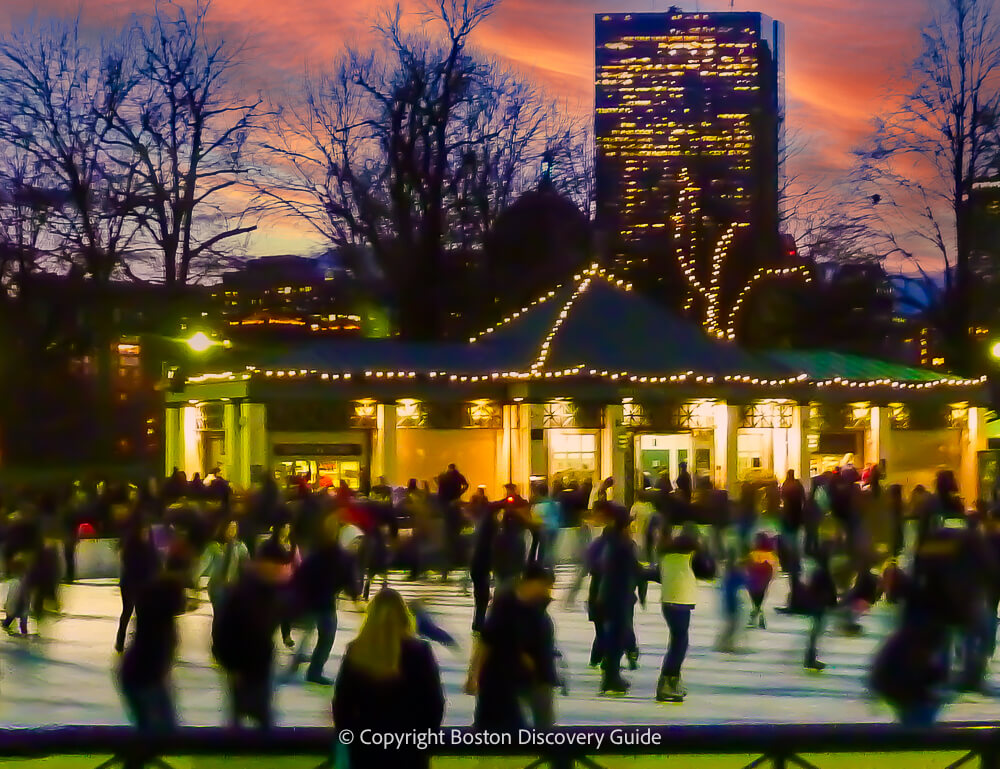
column 200, row 342
column 995, row 350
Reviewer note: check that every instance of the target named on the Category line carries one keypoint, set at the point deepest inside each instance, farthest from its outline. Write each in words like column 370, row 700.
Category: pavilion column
column 173, row 438
column 191, row 451
column 612, row 453
column 798, row 444
column 727, row 425
column 520, row 448
column 253, row 446
column 879, row 441
column 974, row 440
column 232, row 469
column 384, row 447
column 514, row 449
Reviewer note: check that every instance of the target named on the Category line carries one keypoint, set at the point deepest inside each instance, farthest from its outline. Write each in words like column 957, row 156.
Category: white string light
column 760, row 275
column 580, row 369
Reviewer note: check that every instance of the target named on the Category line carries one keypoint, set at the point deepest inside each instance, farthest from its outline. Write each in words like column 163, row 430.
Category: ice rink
column 64, row 675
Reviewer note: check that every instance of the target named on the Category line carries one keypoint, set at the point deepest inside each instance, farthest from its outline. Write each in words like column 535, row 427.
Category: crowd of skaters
column 278, row 559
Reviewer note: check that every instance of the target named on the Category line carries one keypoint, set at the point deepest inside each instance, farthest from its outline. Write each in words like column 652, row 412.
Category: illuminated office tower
column 687, row 127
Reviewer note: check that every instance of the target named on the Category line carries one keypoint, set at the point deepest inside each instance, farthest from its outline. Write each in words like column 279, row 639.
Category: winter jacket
column 140, row 562
column 243, row 628
column 911, row 668
column 509, row 548
column 678, row 584
column 547, row 512
column 682, row 563
column 323, row 574
column 411, row 702
column 150, row 656
column 642, row 513
column 760, row 570
column 222, row 568
column 619, row 569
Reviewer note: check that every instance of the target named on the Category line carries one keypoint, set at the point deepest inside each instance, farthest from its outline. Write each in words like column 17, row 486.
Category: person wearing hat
column 513, row 664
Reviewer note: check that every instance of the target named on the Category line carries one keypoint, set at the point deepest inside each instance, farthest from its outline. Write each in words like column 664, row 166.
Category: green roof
column 820, row 365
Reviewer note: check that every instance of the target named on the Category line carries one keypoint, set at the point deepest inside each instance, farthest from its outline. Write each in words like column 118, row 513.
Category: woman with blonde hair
column 388, row 682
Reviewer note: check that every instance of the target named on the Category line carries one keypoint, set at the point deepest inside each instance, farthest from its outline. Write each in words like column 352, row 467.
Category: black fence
column 562, row 748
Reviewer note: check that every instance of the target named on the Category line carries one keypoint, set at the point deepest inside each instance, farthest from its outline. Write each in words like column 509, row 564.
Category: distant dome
column 538, row 243
column 543, row 211
column 541, row 239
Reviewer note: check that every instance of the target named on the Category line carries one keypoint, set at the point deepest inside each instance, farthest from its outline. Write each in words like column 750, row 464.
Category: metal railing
column 778, row 746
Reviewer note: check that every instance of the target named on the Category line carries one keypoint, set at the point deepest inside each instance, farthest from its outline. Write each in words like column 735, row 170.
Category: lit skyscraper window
column 688, row 124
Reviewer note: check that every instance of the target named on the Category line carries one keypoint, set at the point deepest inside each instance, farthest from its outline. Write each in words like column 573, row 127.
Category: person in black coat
column 388, row 682
column 513, row 665
column 140, row 562
column 683, row 484
column 325, row 572
column 243, row 639
column 822, row 596
column 144, row 674
column 616, row 595
column 481, row 565
column 910, row 672
column 279, row 548
column 21, row 548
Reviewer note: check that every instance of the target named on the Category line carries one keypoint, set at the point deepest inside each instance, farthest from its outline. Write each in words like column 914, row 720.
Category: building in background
column 688, row 123
column 85, row 393
column 293, row 295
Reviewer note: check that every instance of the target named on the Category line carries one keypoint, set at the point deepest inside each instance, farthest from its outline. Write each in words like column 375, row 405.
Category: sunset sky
column 841, row 56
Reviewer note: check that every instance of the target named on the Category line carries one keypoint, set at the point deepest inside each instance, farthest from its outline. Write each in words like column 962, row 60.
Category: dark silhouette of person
column 243, row 630
column 140, row 563
column 324, row 573
column 144, row 675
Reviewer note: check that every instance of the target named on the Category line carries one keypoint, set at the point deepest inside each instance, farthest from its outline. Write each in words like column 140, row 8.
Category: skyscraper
column 687, row 122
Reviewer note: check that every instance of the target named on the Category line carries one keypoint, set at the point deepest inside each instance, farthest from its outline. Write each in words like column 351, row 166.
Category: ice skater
column 682, row 562
column 762, row 564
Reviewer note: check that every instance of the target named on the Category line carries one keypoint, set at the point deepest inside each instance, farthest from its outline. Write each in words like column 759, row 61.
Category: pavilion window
column 483, row 413
column 410, row 413
column 559, row 414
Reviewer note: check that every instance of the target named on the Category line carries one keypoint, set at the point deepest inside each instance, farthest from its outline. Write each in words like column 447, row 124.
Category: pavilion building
column 589, row 380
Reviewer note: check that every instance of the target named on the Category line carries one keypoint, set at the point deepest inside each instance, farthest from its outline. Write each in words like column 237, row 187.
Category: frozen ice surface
column 65, row 674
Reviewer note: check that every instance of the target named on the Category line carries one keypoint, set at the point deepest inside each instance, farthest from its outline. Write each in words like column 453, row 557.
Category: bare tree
column 181, row 128
column 412, row 151
column 77, row 205
column 925, row 157
column 55, row 96
column 25, row 203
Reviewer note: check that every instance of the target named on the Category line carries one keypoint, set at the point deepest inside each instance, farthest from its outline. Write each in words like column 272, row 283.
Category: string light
column 514, row 316
column 686, row 257
column 583, row 281
column 543, row 353
column 581, row 370
column 760, row 275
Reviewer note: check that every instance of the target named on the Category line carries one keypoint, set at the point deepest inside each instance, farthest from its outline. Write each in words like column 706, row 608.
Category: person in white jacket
column 682, row 563
column 222, row 562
